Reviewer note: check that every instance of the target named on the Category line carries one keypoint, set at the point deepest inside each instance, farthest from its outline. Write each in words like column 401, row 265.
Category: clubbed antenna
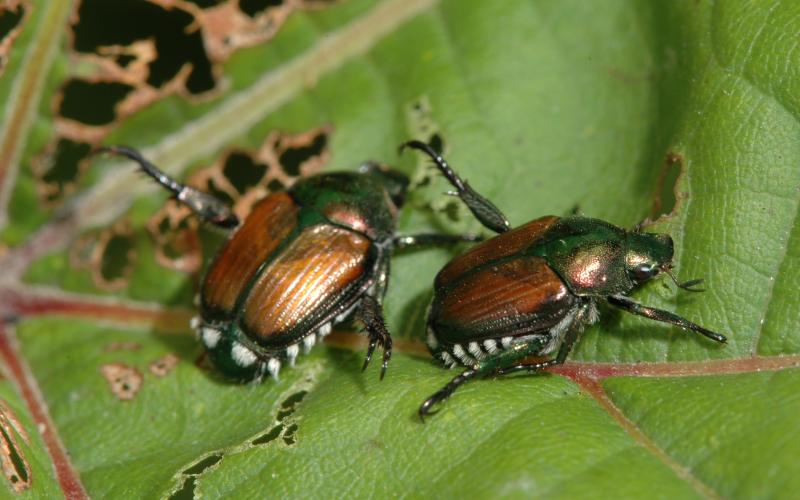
column 686, row 285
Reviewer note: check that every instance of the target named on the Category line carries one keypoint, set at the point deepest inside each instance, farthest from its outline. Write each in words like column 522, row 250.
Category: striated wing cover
column 502, row 245
column 323, row 267
column 501, row 298
column 270, row 222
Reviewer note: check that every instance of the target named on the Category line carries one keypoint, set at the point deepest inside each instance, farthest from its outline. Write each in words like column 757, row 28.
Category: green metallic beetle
column 303, row 260
column 532, row 290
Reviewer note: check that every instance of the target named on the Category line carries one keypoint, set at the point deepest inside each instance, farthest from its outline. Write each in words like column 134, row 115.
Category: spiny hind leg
column 481, row 368
column 204, row 205
column 509, row 360
column 483, row 209
column 404, row 241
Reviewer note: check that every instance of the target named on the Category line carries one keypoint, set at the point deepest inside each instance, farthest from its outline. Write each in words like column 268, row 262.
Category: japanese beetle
column 532, row 290
column 303, row 260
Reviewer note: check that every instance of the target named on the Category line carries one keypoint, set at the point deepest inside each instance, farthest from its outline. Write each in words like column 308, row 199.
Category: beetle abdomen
column 324, row 267
column 519, row 297
column 502, row 245
column 267, row 226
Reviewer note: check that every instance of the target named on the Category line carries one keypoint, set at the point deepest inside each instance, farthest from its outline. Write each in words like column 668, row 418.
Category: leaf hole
column 437, row 143
column 186, row 492
column 204, row 4
column 174, row 234
column 203, row 464
column 289, row 405
column 117, row 261
column 14, row 465
column 275, row 185
column 10, row 18
column 288, row 436
column 293, row 158
column 422, row 126
column 92, row 103
column 17, row 461
column 123, row 22
column 268, row 436
column 254, row 7
column 123, row 60
column 219, row 193
column 665, row 198
column 452, row 210
column 59, row 170
column 242, row 171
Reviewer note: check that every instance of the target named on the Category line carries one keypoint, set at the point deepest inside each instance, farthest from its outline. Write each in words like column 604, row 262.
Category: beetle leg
column 483, row 368
column 433, row 239
column 206, row 206
column 445, row 392
column 372, row 316
column 563, row 351
column 508, row 361
column 633, row 307
column 484, row 210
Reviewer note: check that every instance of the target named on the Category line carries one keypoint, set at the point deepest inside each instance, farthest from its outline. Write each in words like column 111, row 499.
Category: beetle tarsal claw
column 425, row 408
column 386, row 343
column 387, row 354
column 368, row 357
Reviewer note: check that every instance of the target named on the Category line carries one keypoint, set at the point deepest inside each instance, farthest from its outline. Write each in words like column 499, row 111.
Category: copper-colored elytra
column 519, row 287
column 270, row 222
column 318, row 264
column 500, row 246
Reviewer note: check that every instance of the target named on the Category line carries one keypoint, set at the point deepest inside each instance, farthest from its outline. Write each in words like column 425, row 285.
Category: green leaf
column 623, row 109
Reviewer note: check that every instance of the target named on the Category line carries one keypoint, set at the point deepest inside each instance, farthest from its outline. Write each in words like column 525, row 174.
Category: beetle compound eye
column 644, row 272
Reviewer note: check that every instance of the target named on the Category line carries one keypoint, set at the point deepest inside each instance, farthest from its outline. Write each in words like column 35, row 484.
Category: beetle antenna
column 686, row 285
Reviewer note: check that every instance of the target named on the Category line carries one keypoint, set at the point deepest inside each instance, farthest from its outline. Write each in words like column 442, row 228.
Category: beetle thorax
column 595, row 268
column 356, row 201
column 588, row 255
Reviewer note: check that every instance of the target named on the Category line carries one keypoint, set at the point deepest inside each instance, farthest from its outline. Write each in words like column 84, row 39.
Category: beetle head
column 393, row 181
column 647, row 255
